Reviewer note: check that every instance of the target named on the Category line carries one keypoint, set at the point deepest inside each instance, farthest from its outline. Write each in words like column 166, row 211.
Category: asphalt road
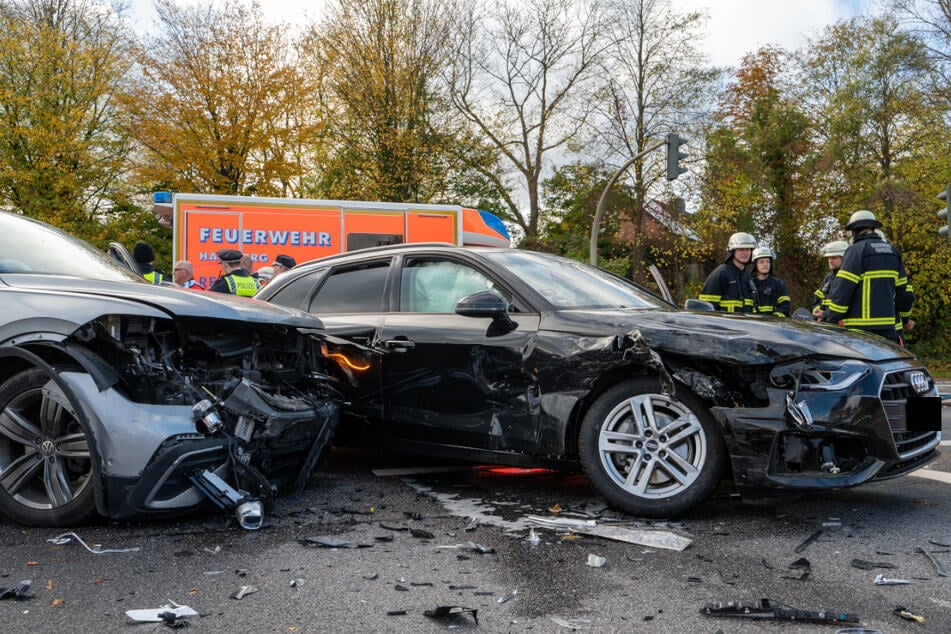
column 741, row 550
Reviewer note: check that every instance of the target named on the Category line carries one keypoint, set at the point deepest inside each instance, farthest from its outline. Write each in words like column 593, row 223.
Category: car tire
column 629, row 456
column 46, row 466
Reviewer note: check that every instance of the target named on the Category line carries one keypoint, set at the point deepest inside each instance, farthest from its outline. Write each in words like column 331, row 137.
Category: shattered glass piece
column 533, row 537
column 400, row 588
column 450, row 611
column 383, row 538
column 153, row 615
column 421, row 584
column 95, row 549
column 508, row 597
column 939, row 544
column 806, row 542
column 243, row 591
column 572, row 624
column 391, row 527
column 296, row 583
column 328, row 541
column 413, row 515
column 596, row 561
column 694, row 580
column 882, row 580
column 421, row 534
column 372, row 577
column 241, row 572
column 464, row 587
column 396, row 612
column 472, row 525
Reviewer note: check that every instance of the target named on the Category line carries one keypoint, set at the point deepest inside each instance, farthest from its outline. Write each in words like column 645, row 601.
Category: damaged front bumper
column 804, row 440
column 157, row 459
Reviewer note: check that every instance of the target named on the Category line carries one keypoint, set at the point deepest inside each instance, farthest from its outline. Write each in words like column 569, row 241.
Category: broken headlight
column 824, row 375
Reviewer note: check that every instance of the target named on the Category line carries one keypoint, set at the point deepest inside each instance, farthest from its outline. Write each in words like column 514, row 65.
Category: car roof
column 396, row 249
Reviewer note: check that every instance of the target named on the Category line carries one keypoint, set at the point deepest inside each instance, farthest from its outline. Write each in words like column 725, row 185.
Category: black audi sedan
column 506, row 356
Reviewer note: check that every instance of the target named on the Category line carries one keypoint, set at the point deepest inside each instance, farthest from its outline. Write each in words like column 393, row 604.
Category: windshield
column 569, row 284
column 27, row 246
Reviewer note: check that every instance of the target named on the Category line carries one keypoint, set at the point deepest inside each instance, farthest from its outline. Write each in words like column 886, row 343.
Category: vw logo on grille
column 652, row 445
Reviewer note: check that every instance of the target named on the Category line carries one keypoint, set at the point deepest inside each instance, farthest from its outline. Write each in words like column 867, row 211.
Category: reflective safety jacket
column 153, row 275
column 193, row 283
column 870, row 292
column 238, row 282
column 729, row 289
column 771, row 297
column 822, row 293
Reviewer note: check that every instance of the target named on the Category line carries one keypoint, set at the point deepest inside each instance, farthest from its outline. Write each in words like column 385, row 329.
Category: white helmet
column 741, row 240
column 836, row 248
column 763, row 252
column 862, row 219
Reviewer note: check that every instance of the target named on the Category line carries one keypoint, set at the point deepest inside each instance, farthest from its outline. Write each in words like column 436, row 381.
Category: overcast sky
column 735, row 27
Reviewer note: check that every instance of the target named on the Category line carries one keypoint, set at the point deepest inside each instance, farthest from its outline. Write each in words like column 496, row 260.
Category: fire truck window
column 352, row 290
column 357, row 241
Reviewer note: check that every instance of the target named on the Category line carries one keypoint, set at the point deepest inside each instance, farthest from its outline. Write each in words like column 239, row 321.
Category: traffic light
column 945, row 214
column 674, row 141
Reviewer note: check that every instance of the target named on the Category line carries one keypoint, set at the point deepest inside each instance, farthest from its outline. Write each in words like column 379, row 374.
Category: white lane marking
column 946, row 443
column 940, row 476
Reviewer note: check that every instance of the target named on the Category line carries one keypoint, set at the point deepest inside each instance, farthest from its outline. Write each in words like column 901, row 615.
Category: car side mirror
column 487, row 304
column 698, row 304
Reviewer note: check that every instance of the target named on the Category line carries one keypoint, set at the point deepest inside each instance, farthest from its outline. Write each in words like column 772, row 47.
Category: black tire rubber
column 25, row 440
column 704, row 445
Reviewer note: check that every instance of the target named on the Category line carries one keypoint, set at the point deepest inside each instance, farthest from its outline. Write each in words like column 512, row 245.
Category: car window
column 570, row 284
column 436, row 286
column 353, row 289
column 297, row 292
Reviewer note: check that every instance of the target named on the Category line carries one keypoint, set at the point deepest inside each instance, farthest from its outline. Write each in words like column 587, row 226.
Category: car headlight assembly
column 826, row 375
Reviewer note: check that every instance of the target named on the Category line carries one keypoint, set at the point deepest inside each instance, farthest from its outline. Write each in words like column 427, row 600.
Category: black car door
column 451, row 379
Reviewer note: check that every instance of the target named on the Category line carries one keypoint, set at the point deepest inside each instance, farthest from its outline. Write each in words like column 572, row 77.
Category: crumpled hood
column 741, row 338
column 177, row 302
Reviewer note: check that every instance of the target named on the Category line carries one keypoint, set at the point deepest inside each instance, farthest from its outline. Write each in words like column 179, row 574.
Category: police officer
column 771, row 297
column 870, row 290
column 235, row 281
column 283, row 263
column 833, row 253
column 729, row 287
column 144, row 256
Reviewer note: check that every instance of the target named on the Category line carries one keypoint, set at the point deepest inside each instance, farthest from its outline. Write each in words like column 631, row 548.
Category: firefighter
column 235, row 280
column 729, row 287
column 771, row 297
column 870, row 291
column 144, row 256
column 833, row 253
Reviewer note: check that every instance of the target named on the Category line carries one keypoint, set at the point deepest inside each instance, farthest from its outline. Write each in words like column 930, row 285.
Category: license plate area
column 923, row 413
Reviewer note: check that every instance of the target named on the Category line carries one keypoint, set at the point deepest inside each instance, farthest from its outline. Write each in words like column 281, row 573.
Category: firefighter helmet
column 862, row 219
column 835, row 249
column 763, row 252
column 741, row 240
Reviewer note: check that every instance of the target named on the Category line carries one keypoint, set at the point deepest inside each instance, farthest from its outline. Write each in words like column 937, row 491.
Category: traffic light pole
column 593, row 247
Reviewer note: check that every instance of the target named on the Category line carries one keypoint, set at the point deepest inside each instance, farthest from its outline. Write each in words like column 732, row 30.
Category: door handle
column 399, row 345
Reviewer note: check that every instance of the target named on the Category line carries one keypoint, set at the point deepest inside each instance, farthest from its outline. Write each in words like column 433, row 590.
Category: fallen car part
column 248, row 511
column 508, row 597
column 155, row 615
column 95, row 549
column 764, row 609
column 938, row 566
column 596, row 561
column 21, row 591
column 862, row 564
column 472, row 546
column 904, row 613
column 450, row 611
column 243, row 591
column 651, row 537
column 882, row 580
column 327, row 541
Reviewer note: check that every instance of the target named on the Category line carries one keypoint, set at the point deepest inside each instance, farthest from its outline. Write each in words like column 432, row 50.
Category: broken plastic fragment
column 861, row 564
column 573, row 624
column 939, row 568
column 533, row 537
column 328, row 541
column 596, row 561
column 96, row 549
column 19, row 592
column 805, row 543
column 155, row 615
column 907, row 614
column 450, row 611
column 472, row 525
column 243, row 591
column 474, row 547
column 421, row 534
column 644, row 536
column 882, row 580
